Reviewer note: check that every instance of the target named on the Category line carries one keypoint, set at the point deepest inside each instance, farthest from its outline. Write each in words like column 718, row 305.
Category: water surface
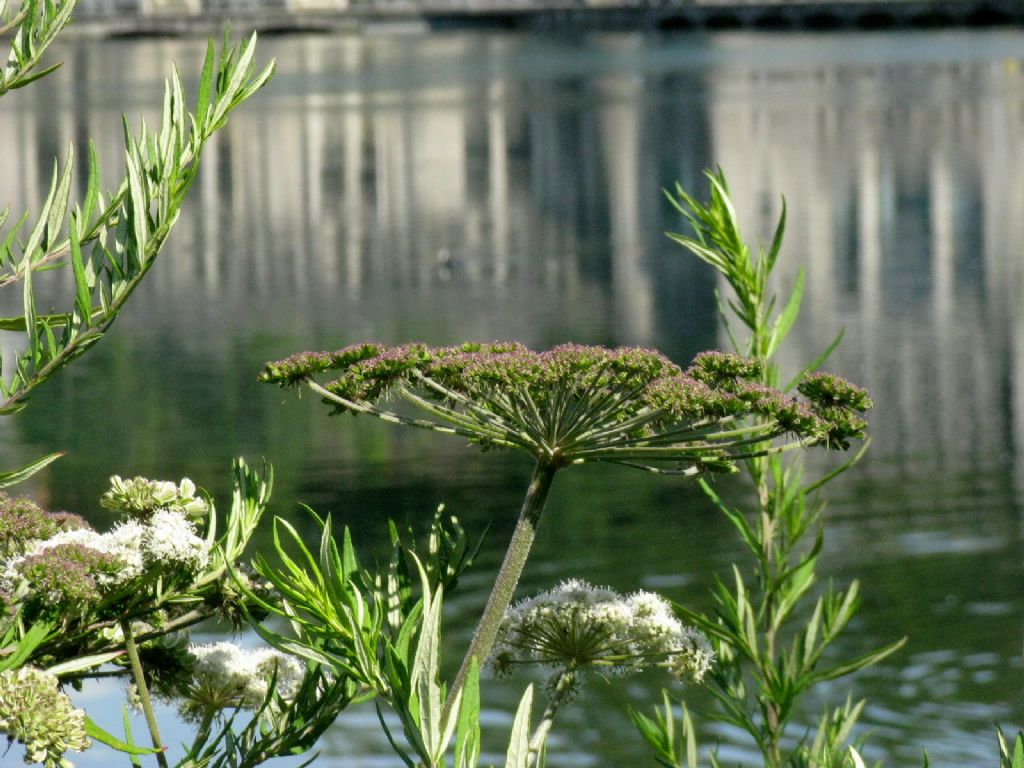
column 482, row 186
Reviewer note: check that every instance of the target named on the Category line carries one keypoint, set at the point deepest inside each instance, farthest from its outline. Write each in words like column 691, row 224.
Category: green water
column 492, row 186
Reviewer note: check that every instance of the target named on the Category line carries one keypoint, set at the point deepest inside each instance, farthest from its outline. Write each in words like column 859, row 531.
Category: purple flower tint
column 67, row 573
column 724, row 368
column 22, row 521
column 800, row 419
column 682, row 397
column 292, row 370
column 830, row 391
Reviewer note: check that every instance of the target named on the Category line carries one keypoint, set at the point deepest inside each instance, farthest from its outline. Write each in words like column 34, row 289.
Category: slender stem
column 143, row 689
column 203, row 732
column 559, row 696
column 508, row 576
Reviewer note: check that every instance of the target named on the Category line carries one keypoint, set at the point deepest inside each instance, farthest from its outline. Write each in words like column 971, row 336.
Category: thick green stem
column 508, row 576
column 143, row 689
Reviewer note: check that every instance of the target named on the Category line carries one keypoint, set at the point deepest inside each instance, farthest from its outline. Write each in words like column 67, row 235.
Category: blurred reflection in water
column 493, row 186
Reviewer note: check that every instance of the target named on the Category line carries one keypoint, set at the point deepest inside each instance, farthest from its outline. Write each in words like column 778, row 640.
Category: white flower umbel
column 167, row 539
column 577, row 626
column 170, row 539
column 227, row 675
column 123, row 542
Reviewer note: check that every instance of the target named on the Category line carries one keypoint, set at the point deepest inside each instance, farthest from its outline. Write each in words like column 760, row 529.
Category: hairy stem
column 508, row 576
column 143, row 689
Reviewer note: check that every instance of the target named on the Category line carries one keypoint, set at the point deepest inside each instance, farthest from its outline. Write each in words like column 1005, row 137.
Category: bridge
column 148, row 17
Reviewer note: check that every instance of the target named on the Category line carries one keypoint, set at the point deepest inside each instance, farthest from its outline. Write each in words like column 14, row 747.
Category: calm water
column 497, row 186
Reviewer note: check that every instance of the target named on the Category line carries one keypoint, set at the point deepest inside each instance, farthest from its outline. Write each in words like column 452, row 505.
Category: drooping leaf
column 16, row 476
column 105, row 737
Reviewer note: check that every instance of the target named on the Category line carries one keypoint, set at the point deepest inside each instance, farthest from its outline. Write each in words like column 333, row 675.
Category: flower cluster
column 576, row 626
column 225, row 676
column 369, row 371
column 141, row 497
column 72, row 565
column 67, row 574
column 578, row 403
column 23, row 522
column 36, row 713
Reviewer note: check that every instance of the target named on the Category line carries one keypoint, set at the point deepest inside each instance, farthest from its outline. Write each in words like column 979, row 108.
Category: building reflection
column 906, row 213
column 493, row 186
column 375, row 169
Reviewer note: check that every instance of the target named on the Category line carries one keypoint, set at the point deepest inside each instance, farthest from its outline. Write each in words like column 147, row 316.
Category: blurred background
column 486, row 185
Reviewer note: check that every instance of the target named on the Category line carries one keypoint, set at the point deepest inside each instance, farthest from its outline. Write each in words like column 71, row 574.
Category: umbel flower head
column 69, row 565
column 141, row 497
column 575, row 404
column 36, row 713
column 225, row 676
column 577, row 626
column 23, row 522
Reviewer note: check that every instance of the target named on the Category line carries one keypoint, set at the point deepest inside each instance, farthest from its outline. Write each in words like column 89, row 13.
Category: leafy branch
column 37, row 23
column 766, row 663
column 111, row 245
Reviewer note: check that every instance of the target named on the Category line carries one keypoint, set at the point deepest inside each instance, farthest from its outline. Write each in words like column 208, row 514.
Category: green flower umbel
column 577, row 404
column 36, row 713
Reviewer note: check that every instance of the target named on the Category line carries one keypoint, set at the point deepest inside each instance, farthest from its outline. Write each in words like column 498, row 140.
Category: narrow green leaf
column 138, row 208
column 467, row 730
column 785, row 320
column 777, row 238
column 55, row 220
column 738, row 520
column 259, row 81
column 32, row 639
column 32, row 249
column 839, row 470
column 18, row 324
column 518, row 755
column 92, row 190
column 104, row 737
column 349, row 561
column 81, row 663
column 815, row 363
column 22, row 82
column 867, row 660
column 14, row 477
column 7, row 249
column 396, row 748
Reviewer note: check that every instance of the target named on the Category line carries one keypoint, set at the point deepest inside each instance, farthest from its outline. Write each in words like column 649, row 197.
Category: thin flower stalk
column 145, row 699
column 561, row 694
